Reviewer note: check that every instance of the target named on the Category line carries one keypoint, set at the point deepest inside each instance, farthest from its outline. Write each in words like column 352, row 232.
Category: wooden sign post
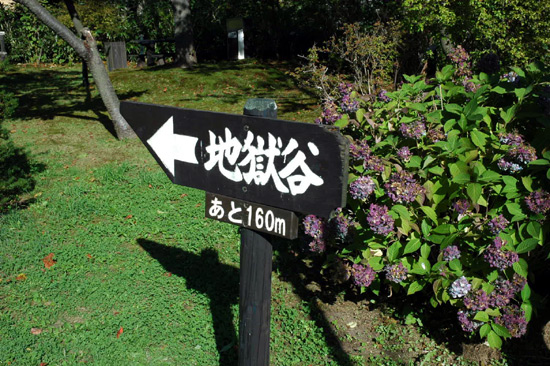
column 258, row 171
column 255, row 276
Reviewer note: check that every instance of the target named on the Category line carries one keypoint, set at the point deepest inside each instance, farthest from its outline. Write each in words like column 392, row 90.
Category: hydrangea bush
column 448, row 193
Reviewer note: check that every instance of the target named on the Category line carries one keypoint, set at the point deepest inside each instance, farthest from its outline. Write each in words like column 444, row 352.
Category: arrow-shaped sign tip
column 170, row 147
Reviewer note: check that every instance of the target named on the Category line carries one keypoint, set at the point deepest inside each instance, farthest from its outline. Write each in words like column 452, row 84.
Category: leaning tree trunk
column 183, row 34
column 87, row 49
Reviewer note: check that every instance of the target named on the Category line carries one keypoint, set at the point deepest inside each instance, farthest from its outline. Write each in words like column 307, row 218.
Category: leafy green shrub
column 516, row 30
column 448, row 194
column 370, row 57
column 29, row 40
column 15, row 169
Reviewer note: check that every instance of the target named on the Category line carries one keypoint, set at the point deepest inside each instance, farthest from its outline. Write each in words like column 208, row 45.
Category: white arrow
column 170, row 147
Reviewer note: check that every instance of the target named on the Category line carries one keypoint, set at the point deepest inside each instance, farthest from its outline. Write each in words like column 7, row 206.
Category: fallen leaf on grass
column 120, row 331
column 36, row 331
column 43, row 364
column 184, row 195
column 21, row 277
column 48, row 261
column 198, row 205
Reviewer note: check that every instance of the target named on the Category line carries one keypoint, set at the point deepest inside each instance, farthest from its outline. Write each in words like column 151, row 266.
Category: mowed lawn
column 107, row 262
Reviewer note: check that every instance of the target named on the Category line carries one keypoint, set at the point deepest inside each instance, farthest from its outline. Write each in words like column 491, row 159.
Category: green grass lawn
column 140, row 276
column 108, row 263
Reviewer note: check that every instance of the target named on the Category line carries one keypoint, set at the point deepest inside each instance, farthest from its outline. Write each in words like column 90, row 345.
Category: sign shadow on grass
column 220, row 282
column 205, row 273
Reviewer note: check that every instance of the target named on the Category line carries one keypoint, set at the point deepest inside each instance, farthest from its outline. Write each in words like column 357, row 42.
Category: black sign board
column 296, row 166
column 253, row 216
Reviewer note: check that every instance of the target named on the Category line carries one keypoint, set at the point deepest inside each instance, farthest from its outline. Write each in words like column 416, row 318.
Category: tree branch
column 74, row 16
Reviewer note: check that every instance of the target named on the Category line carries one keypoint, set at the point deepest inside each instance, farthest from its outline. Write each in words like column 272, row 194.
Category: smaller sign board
column 253, row 216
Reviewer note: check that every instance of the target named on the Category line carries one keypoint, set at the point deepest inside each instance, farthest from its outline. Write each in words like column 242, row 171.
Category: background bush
column 515, row 31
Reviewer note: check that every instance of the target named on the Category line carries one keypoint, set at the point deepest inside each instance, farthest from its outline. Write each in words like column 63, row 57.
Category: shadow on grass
column 47, row 93
column 205, row 273
column 16, row 173
column 293, row 269
column 220, row 283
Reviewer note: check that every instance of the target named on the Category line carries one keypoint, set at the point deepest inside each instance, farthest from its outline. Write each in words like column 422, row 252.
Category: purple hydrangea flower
column 470, row 86
column 477, row 301
column 374, row 163
column 383, row 97
column 359, row 150
column 404, row 153
column 523, row 153
column 345, row 88
column 497, row 224
column 513, row 318
column 461, row 58
column 461, row 206
column 378, row 219
column 497, row 258
column 349, row 105
column 538, row 202
column 413, row 130
column 435, row 135
column 467, row 324
column 505, row 290
column 362, row 188
column 450, row 253
column 511, row 77
column 396, row 272
column 317, row 246
column 512, row 138
column 518, row 282
column 362, row 151
column 508, row 166
column 518, row 156
column 402, row 187
column 362, row 275
column 460, row 288
column 330, row 114
column 342, row 225
column 316, row 228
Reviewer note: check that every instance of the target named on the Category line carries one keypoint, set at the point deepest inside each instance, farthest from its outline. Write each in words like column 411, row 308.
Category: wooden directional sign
column 295, row 166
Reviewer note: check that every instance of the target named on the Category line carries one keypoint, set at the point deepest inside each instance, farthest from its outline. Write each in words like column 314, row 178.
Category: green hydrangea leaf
column 412, row 246
column 501, row 330
column 494, row 340
column 414, row 287
column 484, row 330
column 527, row 245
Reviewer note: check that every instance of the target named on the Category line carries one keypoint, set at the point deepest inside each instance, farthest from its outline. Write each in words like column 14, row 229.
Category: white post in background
column 240, row 40
column 235, row 39
column 3, row 52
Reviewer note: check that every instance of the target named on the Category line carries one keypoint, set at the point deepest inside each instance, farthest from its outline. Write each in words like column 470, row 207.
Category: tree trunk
column 183, row 34
column 87, row 49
